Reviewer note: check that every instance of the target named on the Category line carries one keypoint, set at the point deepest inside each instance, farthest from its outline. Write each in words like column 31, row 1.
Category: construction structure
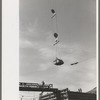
column 66, row 94
column 23, row 86
column 37, row 87
column 56, row 94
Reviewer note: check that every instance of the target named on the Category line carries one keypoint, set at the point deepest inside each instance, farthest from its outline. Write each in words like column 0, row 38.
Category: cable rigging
column 57, row 61
column 81, row 61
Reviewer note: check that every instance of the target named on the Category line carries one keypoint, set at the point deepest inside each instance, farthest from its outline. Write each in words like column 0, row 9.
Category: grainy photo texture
column 57, row 53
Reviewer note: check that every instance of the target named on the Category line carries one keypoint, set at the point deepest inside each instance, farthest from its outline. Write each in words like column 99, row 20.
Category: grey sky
column 76, row 21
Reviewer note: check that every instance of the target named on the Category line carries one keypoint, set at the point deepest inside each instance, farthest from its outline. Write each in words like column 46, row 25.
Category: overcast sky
column 76, row 24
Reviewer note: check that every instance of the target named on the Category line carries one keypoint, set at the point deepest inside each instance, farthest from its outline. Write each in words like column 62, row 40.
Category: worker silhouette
column 56, row 42
column 53, row 12
column 43, row 83
column 58, row 61
column 55, row 35
column 56, row 38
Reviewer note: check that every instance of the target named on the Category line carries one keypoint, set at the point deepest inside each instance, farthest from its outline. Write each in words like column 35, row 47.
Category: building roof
column 93, row 91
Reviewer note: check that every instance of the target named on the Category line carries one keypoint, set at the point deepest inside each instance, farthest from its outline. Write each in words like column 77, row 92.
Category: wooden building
column 69, row 95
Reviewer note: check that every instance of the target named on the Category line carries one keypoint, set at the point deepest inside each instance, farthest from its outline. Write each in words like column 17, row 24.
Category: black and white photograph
column 57, row 50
